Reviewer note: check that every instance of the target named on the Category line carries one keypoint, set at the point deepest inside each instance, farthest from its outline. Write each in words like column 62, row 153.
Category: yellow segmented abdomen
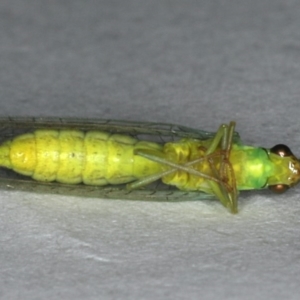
column 73, row 156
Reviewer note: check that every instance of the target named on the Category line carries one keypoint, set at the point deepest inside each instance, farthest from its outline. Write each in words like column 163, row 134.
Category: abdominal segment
column 74, row 156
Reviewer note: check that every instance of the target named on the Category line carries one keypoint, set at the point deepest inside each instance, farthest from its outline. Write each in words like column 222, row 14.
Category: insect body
column 103, row 153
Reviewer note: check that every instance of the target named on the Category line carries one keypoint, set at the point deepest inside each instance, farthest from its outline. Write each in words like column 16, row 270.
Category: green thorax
column 252, row 167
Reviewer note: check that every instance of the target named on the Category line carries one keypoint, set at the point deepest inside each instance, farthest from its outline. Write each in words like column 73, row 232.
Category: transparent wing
column 158, row 192
column 10, row 126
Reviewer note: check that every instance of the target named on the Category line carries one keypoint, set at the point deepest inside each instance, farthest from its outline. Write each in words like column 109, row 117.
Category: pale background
column 197, row 63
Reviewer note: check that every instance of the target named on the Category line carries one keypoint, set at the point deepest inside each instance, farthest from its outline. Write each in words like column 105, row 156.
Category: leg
column 226, row 190
column 157, row 157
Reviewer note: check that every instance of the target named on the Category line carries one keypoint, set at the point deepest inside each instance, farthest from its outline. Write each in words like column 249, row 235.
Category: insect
column 136, row 160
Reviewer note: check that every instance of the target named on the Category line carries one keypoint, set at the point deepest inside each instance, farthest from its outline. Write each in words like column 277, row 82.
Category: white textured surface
column 197, row 63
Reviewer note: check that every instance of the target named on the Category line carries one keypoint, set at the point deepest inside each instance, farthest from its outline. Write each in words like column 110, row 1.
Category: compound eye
column 281, row 150
column 278, row 188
